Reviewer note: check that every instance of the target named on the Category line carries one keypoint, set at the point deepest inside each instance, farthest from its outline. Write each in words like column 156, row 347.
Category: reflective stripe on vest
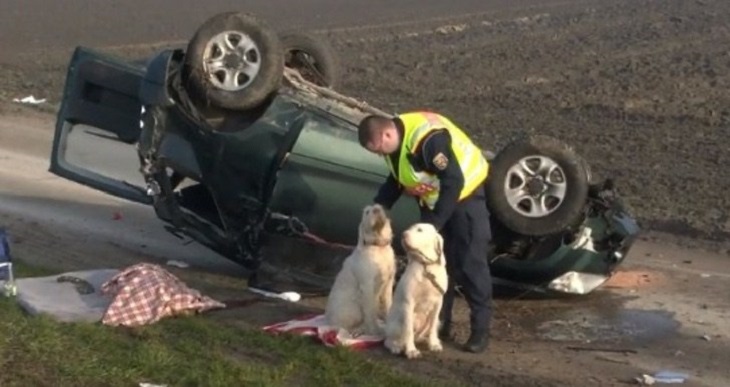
column 425, row 185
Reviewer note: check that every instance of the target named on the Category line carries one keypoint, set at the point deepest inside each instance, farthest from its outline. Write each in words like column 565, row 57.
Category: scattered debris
column 9, row 289
column 117, row 215
column 705, row 275
column 706, row 337
column 528, row 19
column 597, row 349
column 645, row 380
column 286, row 296
column 535, row 80
column 180, row 264
column 30, row 99
column 152, row 385
column 667, row 377
column 689, row 261
column 451, row 29
column 670, row 377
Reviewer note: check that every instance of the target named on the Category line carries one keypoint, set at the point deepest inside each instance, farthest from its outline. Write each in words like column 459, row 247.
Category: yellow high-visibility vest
column 425, row 185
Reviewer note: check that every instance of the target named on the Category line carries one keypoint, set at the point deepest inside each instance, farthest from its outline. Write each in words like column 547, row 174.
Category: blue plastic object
column 5, row 257
column 670, row 377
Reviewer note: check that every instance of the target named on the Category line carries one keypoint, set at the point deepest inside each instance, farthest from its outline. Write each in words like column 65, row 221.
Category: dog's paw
column 435, row 346
column 413, row 353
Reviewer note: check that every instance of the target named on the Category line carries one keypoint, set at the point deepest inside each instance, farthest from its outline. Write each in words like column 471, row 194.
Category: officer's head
column 378, row 134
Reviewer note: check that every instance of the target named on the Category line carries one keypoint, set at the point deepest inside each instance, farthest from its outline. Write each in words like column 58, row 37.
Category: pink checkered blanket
column 146, row 293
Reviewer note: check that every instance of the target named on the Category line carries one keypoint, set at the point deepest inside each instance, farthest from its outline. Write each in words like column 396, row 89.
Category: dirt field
column 640, row 88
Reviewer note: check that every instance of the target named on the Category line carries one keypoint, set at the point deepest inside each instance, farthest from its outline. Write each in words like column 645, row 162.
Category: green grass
column 189, row 351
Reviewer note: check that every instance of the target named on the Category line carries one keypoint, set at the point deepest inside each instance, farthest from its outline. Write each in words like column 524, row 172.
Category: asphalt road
column 30, row 25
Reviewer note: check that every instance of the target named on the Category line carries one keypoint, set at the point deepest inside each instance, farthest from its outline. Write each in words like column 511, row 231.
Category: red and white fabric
column 315, row 325
column 146, row 293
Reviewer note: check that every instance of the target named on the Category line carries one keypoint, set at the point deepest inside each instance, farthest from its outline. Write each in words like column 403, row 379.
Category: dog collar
column 381, row 244
column 431, row 278
column 422, row 259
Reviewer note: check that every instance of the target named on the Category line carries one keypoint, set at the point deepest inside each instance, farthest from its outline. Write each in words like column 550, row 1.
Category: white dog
column 363, row 289
column 414, row 316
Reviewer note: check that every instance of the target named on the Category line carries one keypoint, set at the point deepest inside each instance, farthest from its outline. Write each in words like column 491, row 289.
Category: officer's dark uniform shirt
column 451, row 178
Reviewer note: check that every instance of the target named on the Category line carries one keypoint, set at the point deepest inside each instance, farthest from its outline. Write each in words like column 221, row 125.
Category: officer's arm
column 450, row 176
column 388, row 193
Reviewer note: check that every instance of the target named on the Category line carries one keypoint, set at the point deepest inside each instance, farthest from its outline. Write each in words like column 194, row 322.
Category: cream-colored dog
column 414, row 315
column 363, row 289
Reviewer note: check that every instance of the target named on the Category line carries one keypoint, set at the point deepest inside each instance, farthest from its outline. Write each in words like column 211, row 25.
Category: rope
column 316, row 239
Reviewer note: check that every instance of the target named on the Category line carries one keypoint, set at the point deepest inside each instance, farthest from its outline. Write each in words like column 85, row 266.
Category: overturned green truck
column 242, row 136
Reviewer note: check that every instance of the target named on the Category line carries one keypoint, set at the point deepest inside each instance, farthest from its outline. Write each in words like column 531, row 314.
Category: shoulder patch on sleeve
column 441, row 161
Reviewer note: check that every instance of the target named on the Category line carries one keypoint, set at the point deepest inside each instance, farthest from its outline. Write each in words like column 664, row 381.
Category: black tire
column 312, row 56
column 263, row 83
column 563, row 215
column 591, row 177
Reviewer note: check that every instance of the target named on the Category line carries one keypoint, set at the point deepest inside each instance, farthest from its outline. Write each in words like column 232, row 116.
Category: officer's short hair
column 370, row 127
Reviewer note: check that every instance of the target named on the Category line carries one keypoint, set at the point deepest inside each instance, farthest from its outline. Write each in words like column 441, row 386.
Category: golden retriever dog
column 414, row 315
column 363, row 288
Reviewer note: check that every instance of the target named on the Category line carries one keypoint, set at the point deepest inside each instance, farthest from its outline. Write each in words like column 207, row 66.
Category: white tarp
column 61, row 300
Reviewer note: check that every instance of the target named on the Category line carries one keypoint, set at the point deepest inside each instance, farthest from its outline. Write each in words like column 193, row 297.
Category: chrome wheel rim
column 232, row 60
column 535, row 186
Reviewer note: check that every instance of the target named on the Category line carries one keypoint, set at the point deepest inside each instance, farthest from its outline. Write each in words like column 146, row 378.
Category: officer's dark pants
column 466, row 237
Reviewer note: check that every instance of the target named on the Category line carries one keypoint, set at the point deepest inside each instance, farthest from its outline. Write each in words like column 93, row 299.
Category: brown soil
column 639, row 88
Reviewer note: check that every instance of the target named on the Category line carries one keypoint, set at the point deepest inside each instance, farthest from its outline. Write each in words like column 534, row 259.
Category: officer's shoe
column 477, row 342
column 445, row 330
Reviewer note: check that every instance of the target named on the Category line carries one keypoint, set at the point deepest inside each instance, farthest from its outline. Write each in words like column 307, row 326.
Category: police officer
column 430, row 158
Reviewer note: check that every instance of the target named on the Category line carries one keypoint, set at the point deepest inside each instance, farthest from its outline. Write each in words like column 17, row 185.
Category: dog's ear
column 439, row 246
